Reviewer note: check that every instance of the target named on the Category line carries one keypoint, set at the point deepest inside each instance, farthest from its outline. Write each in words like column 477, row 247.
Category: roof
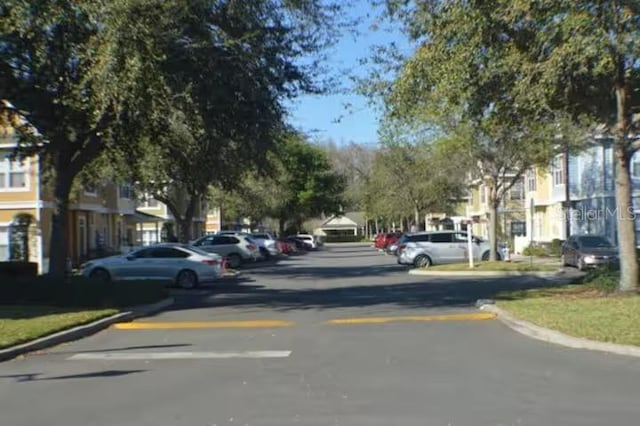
column 346, row 220
column 142, row 217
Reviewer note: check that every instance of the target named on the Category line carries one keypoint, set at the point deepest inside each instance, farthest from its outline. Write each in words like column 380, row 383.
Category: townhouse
column 589, row 206
column 511, row 212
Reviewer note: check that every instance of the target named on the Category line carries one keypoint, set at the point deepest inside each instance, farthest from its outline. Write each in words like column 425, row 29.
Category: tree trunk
column 62, row 183
column 625, row 218
column 416, row 217
column 282, row 223
column 185, row 228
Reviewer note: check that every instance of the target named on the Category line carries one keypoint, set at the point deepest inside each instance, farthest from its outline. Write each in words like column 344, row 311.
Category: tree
column 582, row 58
column 216, row 129
column 462, row 82
column 80, row 72
column 353, row 161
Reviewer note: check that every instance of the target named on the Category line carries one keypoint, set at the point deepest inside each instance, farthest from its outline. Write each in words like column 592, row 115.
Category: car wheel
column 187, row 279
column 422, row 261
column 580, row 264
column 234, row 260
column 486, row 256
column 563, row 258
column 100, row 275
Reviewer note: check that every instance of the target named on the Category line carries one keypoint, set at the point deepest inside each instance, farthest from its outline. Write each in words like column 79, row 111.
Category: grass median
column 20, row 324
column 38, row 306
column 590, row 309
column 519, row 266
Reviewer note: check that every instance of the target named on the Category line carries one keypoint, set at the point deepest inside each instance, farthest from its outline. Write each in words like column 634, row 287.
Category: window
column 516, row 192
column 460, row 237
column 558, row 172
column 418, row 238
column 125, row 191
column 531, row 181
column 635, row 169
column 13, row 175
column 168, row 253
column 90, row 189
column 483, row 194
column 442, row 238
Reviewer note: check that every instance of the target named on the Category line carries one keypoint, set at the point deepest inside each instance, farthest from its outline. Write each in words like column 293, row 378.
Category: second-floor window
column 516, row 192
column 558, row 172
column 125, row 191
column 483, row 194
column 635, row 169
column 91, row 189
column 13, row 174
column 531, row 181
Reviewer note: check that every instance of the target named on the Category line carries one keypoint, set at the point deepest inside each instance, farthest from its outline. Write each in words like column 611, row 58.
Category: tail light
column 252, row 247
column 401, row 247
column 210, row 262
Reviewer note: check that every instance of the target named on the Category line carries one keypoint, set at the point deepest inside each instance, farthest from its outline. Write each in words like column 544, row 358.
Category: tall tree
column 461, row 81
column 583, row 57
column 81, row 72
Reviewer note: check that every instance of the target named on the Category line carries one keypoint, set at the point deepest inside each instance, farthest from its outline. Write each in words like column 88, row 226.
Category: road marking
column 131, row 356
column 202, row 324
column 383, row 320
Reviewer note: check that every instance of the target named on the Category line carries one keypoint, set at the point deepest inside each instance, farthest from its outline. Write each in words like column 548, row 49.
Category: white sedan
column 185, row 265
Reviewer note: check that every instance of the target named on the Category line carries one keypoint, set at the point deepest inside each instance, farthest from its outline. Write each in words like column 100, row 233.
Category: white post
column 470, row 245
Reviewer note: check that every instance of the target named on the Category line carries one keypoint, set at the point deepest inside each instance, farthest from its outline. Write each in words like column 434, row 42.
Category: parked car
column 309, row 240
column 285, row 247
column 185, row 265
column 423, row 249
column 589, row 251
column 384, row 240
column 236, row 248
column 297, row 243
column 267, row 244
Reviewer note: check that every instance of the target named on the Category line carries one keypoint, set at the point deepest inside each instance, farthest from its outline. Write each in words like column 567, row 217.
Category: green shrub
column 13, row 269
column 536, row 251
column 343, row 238
column 556, row 247
column 81, row 292
column 603, row 279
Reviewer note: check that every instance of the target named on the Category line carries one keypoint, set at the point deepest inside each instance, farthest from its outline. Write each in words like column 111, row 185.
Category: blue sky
column 325, row 117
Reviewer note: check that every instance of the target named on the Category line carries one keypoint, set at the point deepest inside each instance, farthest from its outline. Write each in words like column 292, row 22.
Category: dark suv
column 589, row 251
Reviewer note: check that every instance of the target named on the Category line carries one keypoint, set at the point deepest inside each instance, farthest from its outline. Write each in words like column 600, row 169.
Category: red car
column 384, row 240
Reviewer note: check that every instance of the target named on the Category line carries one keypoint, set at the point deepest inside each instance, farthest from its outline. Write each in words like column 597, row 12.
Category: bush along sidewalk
column 517, row 266
column 589, row 308
column 35, row 307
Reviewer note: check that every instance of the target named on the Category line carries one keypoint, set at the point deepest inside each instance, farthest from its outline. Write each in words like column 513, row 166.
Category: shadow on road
column 33, row 377
column 418, row 295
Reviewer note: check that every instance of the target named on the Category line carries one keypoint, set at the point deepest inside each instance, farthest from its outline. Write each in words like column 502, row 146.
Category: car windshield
column 595, row 242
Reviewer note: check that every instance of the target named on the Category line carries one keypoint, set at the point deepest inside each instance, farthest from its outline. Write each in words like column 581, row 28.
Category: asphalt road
column 343, row 336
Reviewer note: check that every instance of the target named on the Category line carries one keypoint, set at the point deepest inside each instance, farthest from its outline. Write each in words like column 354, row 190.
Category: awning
column 141, row 217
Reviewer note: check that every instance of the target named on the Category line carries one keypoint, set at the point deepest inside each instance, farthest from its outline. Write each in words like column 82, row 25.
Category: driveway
column 342, row 336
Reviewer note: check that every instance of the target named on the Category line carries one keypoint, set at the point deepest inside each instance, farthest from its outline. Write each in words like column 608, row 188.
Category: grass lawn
column 496, row 266
column 590, row 310
column 19, row 324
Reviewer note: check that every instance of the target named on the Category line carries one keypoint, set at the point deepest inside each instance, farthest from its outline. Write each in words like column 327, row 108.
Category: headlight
column 86, row 266
column 589, row 259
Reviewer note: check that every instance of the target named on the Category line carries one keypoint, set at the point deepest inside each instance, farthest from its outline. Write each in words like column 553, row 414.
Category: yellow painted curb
column 202, row 324
column 382, row 320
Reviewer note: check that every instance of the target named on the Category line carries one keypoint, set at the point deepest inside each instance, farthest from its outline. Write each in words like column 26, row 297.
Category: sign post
column 470, row 243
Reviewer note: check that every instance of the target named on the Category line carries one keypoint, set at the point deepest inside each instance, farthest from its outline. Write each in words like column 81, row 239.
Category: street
column 342, row 336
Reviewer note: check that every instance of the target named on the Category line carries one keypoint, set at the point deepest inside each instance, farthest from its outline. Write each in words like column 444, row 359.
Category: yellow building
column 511, row 212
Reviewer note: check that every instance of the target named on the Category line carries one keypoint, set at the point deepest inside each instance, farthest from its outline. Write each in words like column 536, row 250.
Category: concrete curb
column 551, row 336
column 81, row 331
column 539, row 274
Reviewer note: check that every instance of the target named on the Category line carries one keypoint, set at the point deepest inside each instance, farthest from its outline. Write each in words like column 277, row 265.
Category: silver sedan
column 185, row 265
